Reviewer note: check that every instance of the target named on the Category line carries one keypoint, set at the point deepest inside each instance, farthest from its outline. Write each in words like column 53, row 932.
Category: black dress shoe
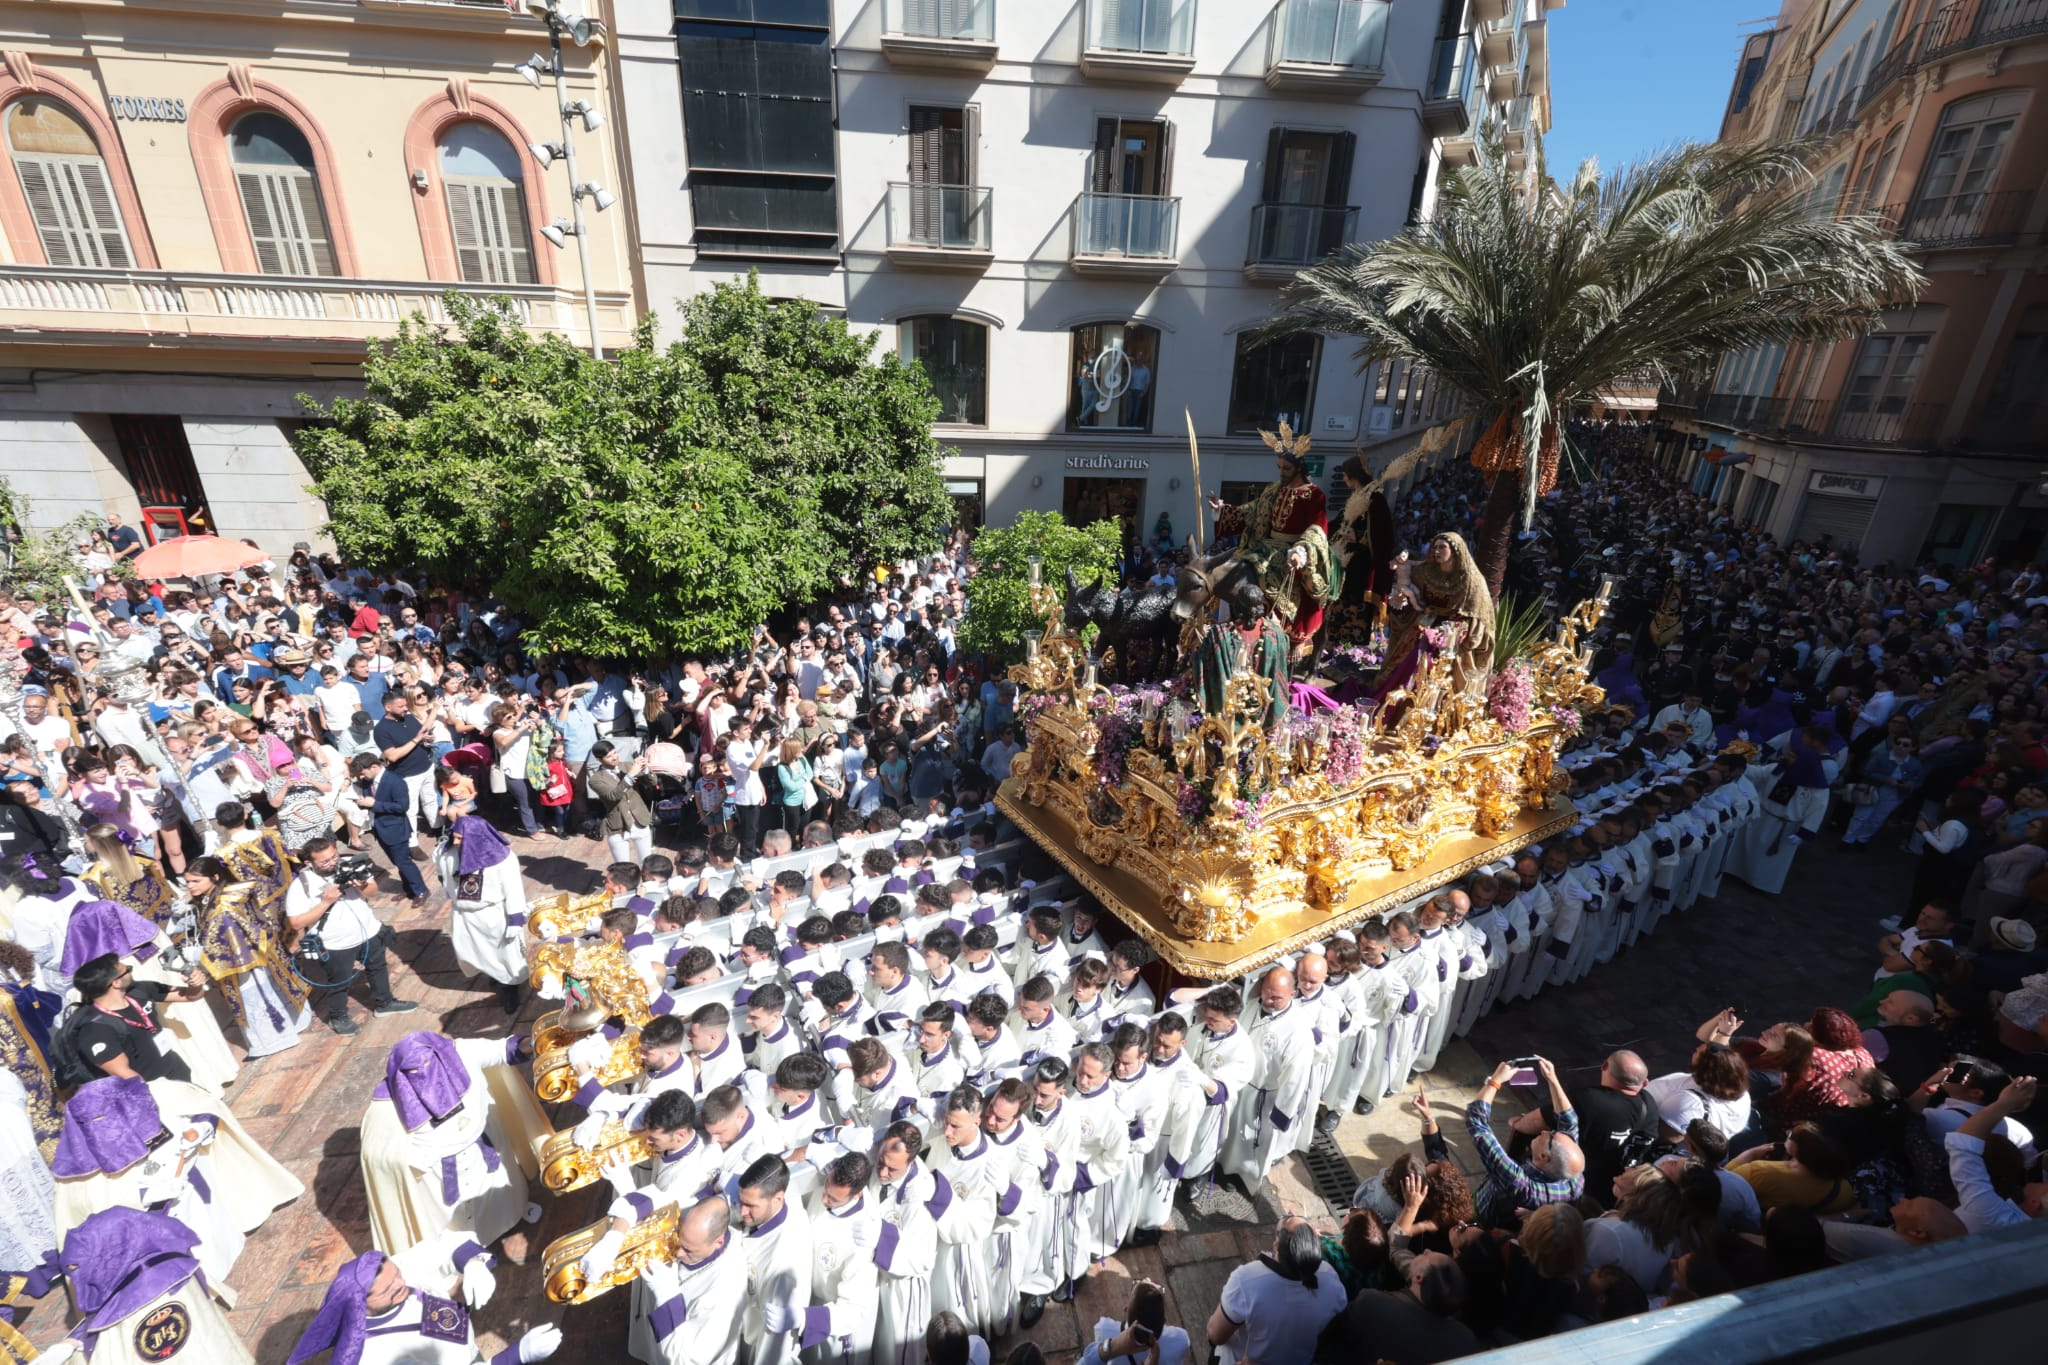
column 1326, row 1122
column 1363, row 1107
column 1144, row 1237
column 1031, row 1308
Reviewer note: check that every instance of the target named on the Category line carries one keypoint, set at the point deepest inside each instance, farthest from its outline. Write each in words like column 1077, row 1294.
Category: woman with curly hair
column 1837, row 1053
column 1716, row 1089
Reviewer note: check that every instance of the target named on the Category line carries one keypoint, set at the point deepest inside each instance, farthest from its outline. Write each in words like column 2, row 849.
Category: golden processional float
column 604, row 1004
column 1227, row 841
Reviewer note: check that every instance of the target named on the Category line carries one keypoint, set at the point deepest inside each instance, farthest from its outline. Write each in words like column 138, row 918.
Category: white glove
column 478, row 1283
column 599, row 1258
column 591, row 1129
column 590, row 1053
column 620, row 1174
column 663, row 1280
column 550, row 988
column 539, row 1343
column 777, row 1316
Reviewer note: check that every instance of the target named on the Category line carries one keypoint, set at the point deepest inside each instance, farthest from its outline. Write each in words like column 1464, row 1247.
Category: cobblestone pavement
column 1771, row 957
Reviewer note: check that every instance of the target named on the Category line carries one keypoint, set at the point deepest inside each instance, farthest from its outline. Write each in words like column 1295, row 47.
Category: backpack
column 68, row 1067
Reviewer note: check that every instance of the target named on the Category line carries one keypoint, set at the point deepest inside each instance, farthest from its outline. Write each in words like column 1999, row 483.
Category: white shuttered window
column 70, row 195
column 486, row 206
column 281, row 197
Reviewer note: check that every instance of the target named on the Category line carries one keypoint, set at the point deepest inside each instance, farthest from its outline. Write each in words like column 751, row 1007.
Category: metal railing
column 1299, row 234
column 1979, row 23
column 966, row 21
column 1840, row 421
column 1157, row 27
column 1346, row 33
column 941, row 217
column 1139, row 226
column 1902, row 58
column 1960, row 220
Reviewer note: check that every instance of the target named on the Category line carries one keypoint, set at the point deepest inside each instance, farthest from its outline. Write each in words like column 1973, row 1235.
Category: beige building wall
column 191, row 327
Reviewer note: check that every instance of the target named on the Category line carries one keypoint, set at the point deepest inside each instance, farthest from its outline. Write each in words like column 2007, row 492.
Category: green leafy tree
column 998, row 596
column 806, row 395
column 642, row 504
column 1523, row 304
column 40, row 560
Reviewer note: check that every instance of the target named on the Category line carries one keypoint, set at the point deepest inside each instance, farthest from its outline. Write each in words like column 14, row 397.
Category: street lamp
column 579, row 30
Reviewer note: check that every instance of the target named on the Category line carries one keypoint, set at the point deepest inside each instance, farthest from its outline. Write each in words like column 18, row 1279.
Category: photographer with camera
column 334, row 936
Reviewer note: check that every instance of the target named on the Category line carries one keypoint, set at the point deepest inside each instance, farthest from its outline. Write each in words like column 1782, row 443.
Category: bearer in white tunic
column 142, row 1296
column 906, row 1246
column 414, row 1308
column 1221, row 1053
column 1280, row 1101
column 1182, row 1106
column 487, row 893
column 778, row 1254
column 965, row 1160
column 1055, row 1252
column 1142, row 1096
column 1444, row 948
column 1325, row 1010
column 1038, row 1026
column 1417, row 971
column 1488, row 930
column 700, row 1301
column 1127, row 999
column 662, row 1068
column 1100, row 1152
column 770, row 1036
column 1018, row 1172
column 436, row 1154
column 837, row 1327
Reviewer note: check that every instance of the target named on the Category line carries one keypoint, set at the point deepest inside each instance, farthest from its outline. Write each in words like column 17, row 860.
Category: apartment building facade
column 1071, row 214
column 1927, row 438
column 211, row 207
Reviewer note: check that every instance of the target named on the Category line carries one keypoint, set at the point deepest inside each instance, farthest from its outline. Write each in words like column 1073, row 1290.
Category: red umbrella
column 196, row 557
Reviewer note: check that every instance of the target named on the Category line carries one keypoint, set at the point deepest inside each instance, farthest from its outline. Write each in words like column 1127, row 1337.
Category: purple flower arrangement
column 1511, row 697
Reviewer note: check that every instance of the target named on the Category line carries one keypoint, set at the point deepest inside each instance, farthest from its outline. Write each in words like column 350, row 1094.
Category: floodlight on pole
column 580, row 30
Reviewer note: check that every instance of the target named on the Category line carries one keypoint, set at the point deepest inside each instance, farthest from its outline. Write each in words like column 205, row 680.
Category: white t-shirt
column 747, row 787
column 337, row 703
column 348, row 924
column 1175, row 1348
column 1679, row 1102
column 1280, row 1320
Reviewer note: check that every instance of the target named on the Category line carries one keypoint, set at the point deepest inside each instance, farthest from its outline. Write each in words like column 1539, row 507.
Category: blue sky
column 1630, row 76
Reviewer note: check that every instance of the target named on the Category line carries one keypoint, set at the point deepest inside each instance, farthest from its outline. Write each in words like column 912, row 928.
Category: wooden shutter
column 491, row 241
column 927, row 173
column 469, row 255
column 73, row 208
column 1102, row 177
column 263, row 232
column 287, row 224
column 1276, row 153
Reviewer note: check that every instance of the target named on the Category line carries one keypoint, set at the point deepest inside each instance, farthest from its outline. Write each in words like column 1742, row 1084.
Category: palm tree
column 1523, row 304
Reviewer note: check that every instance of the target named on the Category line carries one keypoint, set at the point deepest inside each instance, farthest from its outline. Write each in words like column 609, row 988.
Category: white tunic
column 965, row 1225
column 1280, row 1102
column 404, row 1172
column 839, row 1327
column 778, row 1255
column 28, row 1193
column 697, row 1310
column 1100, row 1150
column 906, row 1254
column 1230, row 1060
column 1142, row 1099
column 184, row 1313
column 487, row 942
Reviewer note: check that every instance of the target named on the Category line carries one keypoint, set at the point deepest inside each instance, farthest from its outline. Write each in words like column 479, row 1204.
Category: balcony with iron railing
column 273, row 311
column 1286, row 237
column 2019, row 428
column 1142, row 40
column 1450, row 107
column 1329, row 47
column 1903, row 56
column 950, row 227
column 1873, row 423
column 1980, row 23
column 1959, row 221
column 948, row 35
column 1131, row 235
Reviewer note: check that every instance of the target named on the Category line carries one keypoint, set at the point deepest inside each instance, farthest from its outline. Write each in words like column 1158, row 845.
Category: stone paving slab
column 1772, row 957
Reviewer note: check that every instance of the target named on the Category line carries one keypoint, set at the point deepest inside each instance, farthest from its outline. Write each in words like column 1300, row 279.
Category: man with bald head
column 1553, row 1173
column 1904, row 1043
column 1325, row 1012
column 1281, row 1103
column 1617, row 1121
column 689, row 1313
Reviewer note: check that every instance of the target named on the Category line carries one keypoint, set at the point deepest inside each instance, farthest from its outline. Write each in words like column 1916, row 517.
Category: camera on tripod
column 354, row 869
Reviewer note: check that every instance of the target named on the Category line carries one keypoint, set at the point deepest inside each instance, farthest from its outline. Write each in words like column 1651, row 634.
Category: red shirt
column 366, row 623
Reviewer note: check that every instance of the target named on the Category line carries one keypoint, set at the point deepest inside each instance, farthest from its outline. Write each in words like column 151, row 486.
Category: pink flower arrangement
column 1511, row 696
column 1567, row 718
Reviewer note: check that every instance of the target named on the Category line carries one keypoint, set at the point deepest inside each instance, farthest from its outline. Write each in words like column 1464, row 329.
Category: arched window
column 1962, row 168
column 486, row 205
column 273, row 166
column 1116, row 367
column 70, row 195
column 954, row 353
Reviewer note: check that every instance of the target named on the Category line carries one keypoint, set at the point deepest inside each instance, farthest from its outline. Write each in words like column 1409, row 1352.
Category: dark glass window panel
column 1273, row 382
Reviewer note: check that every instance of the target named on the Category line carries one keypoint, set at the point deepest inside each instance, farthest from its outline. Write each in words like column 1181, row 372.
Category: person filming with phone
column 1555, row 1171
